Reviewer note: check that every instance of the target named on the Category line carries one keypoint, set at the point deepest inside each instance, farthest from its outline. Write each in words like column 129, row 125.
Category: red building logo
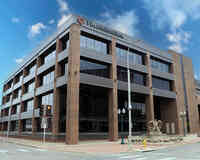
column 80, row 20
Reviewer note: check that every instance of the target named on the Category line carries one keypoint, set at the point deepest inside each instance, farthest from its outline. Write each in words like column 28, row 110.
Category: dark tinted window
column 94, row 68
column 161, row 66
column 136, row 77
column 160, row 83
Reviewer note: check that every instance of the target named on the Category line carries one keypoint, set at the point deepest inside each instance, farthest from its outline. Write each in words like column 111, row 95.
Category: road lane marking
column 169, row 158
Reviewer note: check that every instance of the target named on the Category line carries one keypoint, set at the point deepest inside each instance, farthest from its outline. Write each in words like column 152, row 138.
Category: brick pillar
column 56, row 93
column 10, row 108
column 35, row 100
column 72, row 120
column 2, row 114
column 113, row 101
column 21, row 105
column 149, row 98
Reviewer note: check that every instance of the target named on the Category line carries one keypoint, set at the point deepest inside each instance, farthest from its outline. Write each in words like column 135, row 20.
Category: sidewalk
column 101, row 146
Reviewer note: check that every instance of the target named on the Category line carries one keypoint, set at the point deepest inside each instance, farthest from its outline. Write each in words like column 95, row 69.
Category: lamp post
column 129, row 98
column 183, row 115
column 121, row 113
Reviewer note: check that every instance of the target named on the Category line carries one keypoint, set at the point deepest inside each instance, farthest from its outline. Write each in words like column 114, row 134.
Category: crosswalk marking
column 141, row 158
column 161, row 154
column 157, row 156
column 169, row 158
column 133, row 156
column 41, row 150
column 3, row 151
column 23, row 150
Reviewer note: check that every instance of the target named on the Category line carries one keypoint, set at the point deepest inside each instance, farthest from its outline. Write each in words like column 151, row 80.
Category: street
column 9, row 151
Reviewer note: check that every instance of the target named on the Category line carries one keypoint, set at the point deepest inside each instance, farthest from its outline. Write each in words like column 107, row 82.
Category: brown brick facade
column 72, row 123
column 190, row 92
column 113, row 104
column 170, row 107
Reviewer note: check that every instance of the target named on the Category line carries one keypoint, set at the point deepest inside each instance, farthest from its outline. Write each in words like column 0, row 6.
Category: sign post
column 44, row 126
column 45, row 115
column 44, row 123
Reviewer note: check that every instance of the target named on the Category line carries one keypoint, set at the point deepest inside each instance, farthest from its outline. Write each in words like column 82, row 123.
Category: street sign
column 44, row 122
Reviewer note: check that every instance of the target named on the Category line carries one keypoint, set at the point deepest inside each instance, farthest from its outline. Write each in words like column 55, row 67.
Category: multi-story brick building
column 81, row 71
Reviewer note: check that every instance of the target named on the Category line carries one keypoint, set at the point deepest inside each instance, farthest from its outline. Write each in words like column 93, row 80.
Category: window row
column 32, row 70
column 18, row 79
column 161, row 84
column 96, row 69
column 27, row 125
column 50, row 57
column 17, row 94
column 28, row 106
column 15, row 109
column 163, row 67
column 31, row 87
column 48, row 78
column 135, row 77
column 47, row 99
column 134, row 58
column 99, row 46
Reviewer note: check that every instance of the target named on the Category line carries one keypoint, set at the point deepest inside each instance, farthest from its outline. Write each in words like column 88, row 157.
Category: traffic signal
column 48, row 110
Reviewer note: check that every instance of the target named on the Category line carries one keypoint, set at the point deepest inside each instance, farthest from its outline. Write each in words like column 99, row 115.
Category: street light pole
column 121, row 113
column 129, row 97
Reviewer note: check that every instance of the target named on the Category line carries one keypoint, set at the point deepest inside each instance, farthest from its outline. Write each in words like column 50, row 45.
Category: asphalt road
column 10, row 151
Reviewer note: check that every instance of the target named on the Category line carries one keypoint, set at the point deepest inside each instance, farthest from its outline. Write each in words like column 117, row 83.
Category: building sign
column 101, row 27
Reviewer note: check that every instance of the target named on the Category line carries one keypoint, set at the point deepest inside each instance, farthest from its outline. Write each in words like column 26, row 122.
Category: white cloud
column 126, row 22
column 63, row 19
column 19, row 60
column 15, row 20
column 52, row 21
column 197, row 75
column 36, row 29
column 64, row 11
column 172, row 13
column 178, row 40
column 63, row 5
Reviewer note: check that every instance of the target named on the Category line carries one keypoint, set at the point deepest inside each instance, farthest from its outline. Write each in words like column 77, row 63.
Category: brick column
column 10, row 108
column 21, row 105
column 56, row 93
column 35, row 100
column 113, row 101
column 73, row 84
column 149, row 99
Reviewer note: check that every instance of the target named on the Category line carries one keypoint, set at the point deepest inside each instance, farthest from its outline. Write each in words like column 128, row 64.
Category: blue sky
column 166, row 24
